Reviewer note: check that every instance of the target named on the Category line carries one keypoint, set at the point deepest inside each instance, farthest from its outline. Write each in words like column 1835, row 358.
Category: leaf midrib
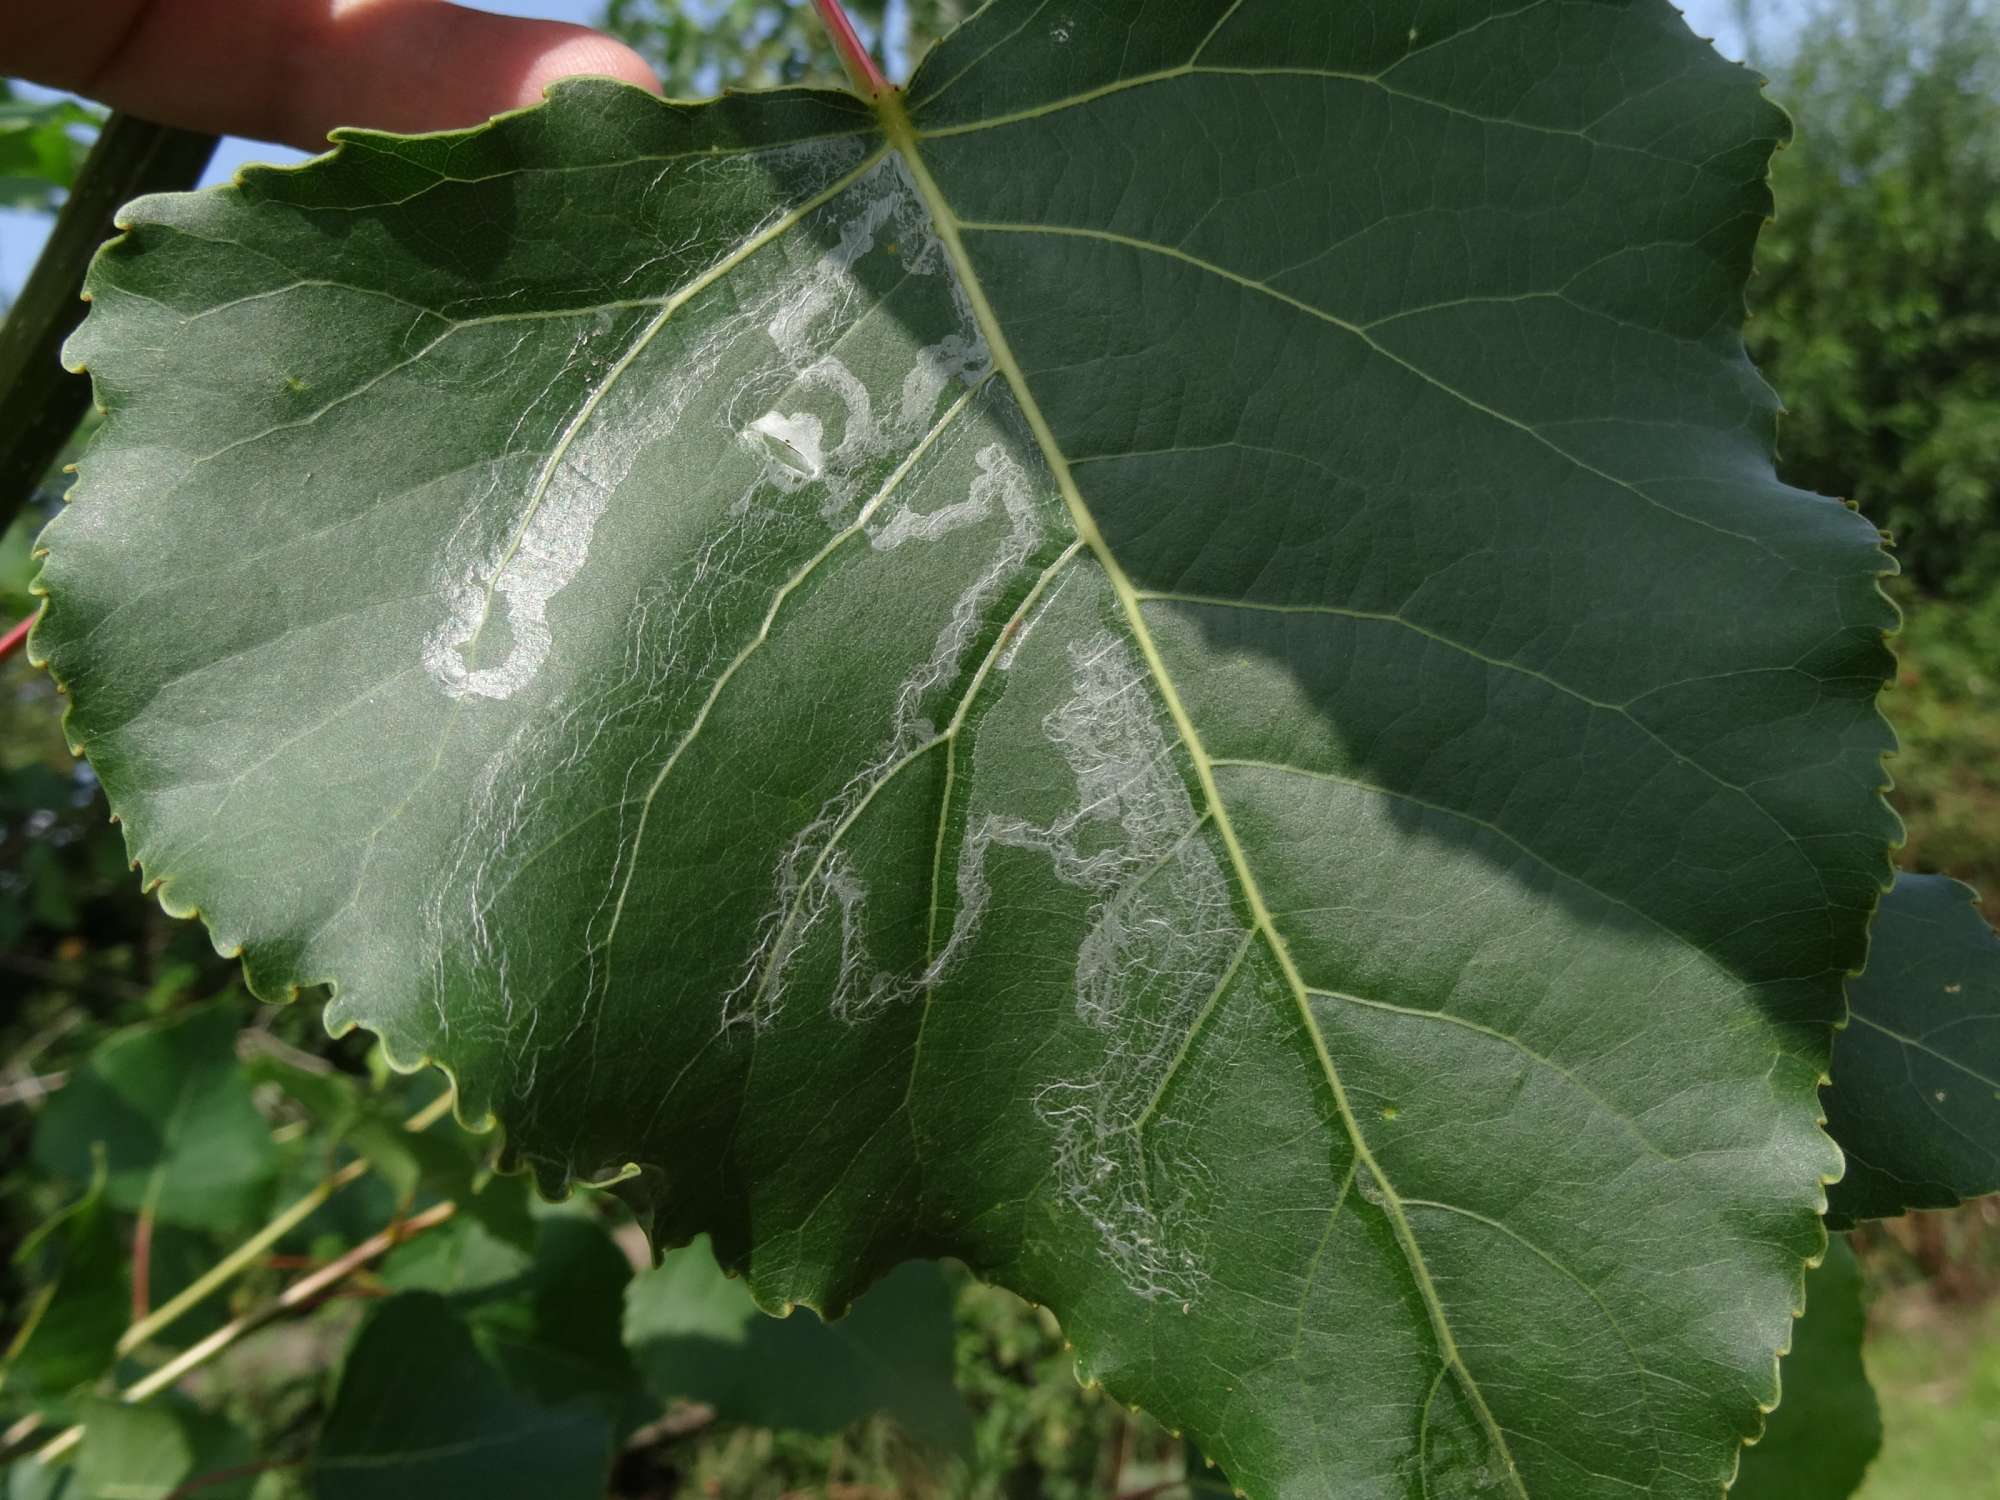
column 902, row 138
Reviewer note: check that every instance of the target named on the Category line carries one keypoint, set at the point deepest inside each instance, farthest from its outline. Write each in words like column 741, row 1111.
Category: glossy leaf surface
column 1171, row 664
column 1915, row 1101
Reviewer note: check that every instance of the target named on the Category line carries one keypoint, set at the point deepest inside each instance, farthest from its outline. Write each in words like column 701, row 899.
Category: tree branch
column 300, row 1293
column 40, row 402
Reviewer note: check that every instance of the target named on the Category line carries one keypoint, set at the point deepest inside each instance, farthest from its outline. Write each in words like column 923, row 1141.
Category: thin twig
column 299, row 1294
column 201, row 1482
column 64, row 976
column 238, row 1260
column 142, row 1261
column 248, row 1253
column 47, row 1037
column 32, row 1088
column 40, row 401
column 28, row 1087
column 16, row 634
column 254, row 1040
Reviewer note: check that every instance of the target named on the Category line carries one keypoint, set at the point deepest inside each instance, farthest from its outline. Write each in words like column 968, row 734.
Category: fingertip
column 585, row 54
column 418, row 65
column 292, row 70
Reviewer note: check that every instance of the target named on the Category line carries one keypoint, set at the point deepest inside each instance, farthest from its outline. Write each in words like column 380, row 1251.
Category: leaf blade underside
column 1177, row 670
column 1915, row 1101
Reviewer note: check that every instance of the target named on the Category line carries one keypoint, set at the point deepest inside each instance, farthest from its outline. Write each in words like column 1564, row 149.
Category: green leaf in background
column 420, row 1414
column 489, row 1243
column 28, row 1479
column 17, row 567
column 160, row 1451
column 331, row 1098
column 557, row 1336
column 1171, row 665
column 1915, row 1101
column 1825, row 1433
column 1878, row 285
column 170, row 1106
column 69, row 1332
column 543, row 1296
column 441, row 1160
column 698, row 1335
column 42, row 143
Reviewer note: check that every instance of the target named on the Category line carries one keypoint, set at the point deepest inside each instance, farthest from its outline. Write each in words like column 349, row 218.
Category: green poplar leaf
column 698, row 1335
column 1170, row 663
column 1828, row 1428
column 169, row 1104
column 441, row 1159
column 30, row 1479
column 333, row 1099
column 163, row 1450
column 475, row 1251
column 544, row 1312
column 1915, row 1100
column 41, row 148
column 420, row 1413
column 560, row 1336
column 80, row 1299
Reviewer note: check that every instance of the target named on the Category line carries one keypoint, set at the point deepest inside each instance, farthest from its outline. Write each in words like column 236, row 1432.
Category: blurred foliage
column 42, row 144
column 1876, row 304
column 463, row 1337
column 1946, row 709
column 1950, row 1256
column 700, row 47
column 1936, row 1369
column 693, row 1330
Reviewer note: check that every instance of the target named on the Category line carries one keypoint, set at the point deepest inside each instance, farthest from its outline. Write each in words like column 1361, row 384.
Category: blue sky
column 21, row 235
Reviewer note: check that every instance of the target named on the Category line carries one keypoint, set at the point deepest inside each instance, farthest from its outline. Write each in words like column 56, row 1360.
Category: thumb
column 291, row 70
column 413, row 65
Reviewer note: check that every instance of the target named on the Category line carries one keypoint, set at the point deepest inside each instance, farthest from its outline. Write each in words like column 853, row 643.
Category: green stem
column 228, row 1268
column 238, row 1260
column 40, row 402
column 251, row 1250
column 300, row 1292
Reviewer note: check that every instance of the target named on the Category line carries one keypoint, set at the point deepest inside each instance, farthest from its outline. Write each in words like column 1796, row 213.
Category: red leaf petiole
column 860, row 66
